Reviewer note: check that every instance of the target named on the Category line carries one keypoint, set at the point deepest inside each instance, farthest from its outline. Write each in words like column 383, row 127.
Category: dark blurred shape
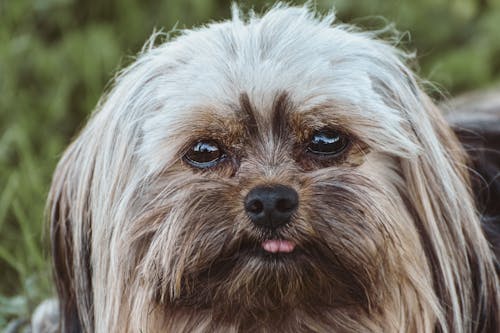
column 475, row 118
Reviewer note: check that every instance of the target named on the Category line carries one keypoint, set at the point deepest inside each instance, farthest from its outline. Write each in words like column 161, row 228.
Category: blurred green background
column 56, row 57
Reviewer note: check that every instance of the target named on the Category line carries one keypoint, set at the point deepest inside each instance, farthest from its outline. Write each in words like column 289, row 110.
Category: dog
column 269, row 173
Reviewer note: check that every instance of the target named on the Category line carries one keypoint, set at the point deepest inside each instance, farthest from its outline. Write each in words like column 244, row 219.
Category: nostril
column 255, row 206
column 286, row 205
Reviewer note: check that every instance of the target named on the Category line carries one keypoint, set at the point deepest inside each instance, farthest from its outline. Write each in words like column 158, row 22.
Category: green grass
column 56, row 57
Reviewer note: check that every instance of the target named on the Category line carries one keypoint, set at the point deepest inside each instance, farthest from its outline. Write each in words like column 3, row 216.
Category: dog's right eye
column 204, row 154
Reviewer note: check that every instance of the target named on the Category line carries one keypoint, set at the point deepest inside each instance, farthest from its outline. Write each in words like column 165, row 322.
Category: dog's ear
column 70, row 231
column 439, row 195
column 96, row 177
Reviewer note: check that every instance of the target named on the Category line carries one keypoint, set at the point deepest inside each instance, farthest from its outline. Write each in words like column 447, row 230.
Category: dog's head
column 257, row 170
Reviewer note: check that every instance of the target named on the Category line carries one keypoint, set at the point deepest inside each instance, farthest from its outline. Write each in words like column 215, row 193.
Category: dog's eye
column 327, row 143
column 204, row 154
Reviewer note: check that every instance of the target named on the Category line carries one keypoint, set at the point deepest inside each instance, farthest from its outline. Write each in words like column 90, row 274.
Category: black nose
column 271, row 206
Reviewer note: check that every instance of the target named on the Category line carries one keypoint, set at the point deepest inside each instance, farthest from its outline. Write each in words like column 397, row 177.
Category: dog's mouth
column 269, row 247
column 278, row 246
column 278, row 269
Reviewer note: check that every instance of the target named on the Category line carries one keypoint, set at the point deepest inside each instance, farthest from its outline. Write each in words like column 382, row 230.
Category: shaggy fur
column 387, row 237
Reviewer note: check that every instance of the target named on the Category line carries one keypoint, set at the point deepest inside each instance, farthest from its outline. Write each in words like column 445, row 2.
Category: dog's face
column 277, row 205
column 276, row 190
column 251, row 173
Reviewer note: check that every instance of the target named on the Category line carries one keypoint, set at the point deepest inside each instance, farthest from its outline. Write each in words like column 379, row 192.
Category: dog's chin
column 260, row 278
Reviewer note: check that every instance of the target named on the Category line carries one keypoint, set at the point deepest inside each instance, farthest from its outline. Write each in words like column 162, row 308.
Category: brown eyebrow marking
column 281, row 117
column 246, row 113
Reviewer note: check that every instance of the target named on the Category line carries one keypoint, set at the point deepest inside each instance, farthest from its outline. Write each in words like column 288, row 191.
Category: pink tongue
column 278, row 245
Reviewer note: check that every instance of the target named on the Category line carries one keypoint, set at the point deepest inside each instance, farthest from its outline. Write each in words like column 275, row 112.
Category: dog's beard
column 205, row 253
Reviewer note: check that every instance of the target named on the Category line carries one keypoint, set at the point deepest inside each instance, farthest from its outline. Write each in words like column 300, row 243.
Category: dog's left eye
column 327, row 143
column 204, row 154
